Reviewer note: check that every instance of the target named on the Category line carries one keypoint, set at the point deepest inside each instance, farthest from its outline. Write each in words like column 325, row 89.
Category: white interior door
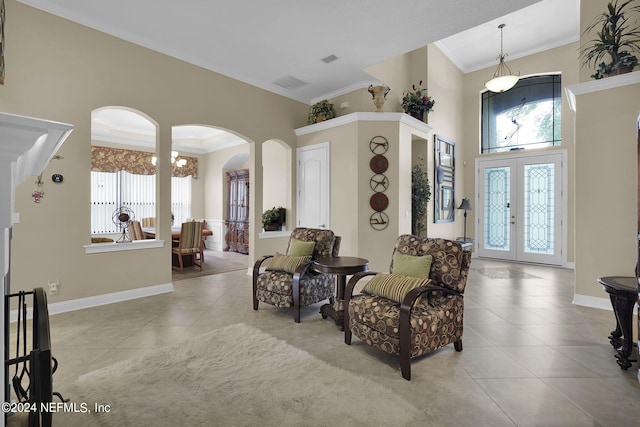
column 520, row 208
column 313, row 186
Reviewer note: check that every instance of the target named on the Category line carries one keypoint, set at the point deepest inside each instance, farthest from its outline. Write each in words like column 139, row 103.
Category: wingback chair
column 189, row 244
column 289, row 280
column 417, row 307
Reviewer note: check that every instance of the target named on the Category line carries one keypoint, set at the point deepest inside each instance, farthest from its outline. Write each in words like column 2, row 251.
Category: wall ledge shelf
column 118, row 247
column 600, row 84
column 367, row 117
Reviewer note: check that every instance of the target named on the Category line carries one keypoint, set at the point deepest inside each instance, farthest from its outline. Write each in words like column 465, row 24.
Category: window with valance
column 107, row 159
column 121, row 177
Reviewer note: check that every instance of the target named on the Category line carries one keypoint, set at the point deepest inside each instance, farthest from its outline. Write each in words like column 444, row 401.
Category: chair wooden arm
column 348, row 293
column 405, row 323
column 258, row 264
column 254, row 281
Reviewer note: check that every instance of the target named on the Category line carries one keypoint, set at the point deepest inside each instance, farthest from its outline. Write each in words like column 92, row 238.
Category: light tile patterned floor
column 531, row 357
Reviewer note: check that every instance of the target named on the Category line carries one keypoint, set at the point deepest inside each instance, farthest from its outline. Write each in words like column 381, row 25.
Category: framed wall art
column 444, row 152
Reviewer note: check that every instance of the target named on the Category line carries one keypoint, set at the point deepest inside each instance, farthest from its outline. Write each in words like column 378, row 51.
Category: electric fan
column 121, row 218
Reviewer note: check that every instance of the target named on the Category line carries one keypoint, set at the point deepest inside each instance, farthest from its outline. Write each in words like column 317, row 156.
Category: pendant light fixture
column 503, row 79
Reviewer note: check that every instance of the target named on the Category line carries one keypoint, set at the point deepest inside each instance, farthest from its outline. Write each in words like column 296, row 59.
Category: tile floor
column 531, row 357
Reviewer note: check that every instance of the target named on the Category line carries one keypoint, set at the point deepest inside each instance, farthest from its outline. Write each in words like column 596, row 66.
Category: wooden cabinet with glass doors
column 237, row 223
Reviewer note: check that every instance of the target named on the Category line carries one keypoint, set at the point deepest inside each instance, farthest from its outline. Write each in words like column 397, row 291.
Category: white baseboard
column 593, row 302
column 80, row 303
column 596, row 302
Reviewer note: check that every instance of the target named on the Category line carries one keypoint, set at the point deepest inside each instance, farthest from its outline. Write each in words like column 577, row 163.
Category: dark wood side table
column 623, row 292
column 340, row 266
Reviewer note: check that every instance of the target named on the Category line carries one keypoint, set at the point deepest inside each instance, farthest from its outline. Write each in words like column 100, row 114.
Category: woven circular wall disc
column 379, row 202
column 379, row 164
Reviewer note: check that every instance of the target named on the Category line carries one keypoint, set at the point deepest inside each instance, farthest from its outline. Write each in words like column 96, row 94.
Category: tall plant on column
column 420, row 196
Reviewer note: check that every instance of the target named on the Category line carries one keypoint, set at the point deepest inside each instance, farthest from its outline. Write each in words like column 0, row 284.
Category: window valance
column 107, row 159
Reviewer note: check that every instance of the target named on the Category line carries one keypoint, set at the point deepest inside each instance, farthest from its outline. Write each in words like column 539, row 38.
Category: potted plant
column 420, row 196
column 617, row 39
column 416, row 102
column 272, row 219
column 321, row 111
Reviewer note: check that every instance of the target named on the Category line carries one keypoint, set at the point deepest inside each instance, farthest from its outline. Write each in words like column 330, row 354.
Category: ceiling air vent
column 290, row 82
column 329, row 58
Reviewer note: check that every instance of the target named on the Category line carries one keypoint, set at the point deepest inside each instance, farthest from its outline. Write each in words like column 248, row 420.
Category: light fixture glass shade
column 502, row 83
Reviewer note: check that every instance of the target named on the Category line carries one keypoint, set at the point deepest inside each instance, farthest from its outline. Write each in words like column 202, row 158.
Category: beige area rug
column 214, row 262
column 238, row 376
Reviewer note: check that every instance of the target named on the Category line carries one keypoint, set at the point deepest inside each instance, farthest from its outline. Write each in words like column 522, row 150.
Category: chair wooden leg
column 458, row 345
column 180, row 262
column 347, row 335
column 405, row 366
column 254, row 285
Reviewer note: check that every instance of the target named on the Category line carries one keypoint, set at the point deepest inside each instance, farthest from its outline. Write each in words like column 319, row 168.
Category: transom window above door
column 524, row 117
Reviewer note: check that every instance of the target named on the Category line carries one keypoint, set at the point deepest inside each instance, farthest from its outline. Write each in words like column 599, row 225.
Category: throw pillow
column 393, row 286
column 287, row 263
column 414, row 266
column 300, row 247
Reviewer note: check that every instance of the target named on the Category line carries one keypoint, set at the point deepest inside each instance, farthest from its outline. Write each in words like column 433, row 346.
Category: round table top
column 620, row 283
column 340, row 265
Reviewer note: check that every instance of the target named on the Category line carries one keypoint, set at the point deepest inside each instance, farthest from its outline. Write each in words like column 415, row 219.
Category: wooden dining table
column 150, row 232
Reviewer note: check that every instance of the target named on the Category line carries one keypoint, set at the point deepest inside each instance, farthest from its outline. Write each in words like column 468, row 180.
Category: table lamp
column 466, row 205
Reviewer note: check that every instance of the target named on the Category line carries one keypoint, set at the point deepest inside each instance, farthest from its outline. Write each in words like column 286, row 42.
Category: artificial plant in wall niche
column 420, row 197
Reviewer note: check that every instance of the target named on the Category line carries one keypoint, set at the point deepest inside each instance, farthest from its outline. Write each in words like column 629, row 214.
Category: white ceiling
column 264, row 43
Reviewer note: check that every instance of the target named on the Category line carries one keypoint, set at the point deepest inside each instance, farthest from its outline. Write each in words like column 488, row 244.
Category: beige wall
column 350, row 189
column 447, row 119
column 561, row 59
column 606, row 189
column 605, row 176
column 62, row 72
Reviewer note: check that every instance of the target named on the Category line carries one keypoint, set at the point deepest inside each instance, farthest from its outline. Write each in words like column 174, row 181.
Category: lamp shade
column 465, row 204
column 502, row 83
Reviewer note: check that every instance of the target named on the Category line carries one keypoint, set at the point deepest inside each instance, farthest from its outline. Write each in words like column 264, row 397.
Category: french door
column 520, row 208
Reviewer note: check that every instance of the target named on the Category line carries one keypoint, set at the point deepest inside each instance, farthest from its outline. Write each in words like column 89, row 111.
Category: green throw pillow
column 300, row 247
column 414, row 266
column 393, row 286
column 287, row 263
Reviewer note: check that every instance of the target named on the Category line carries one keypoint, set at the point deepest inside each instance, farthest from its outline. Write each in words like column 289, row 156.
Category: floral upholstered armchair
column 289, row 279
column 417, row 307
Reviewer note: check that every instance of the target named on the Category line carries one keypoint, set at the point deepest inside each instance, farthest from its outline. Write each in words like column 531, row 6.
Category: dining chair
column 135, row 230
column 189, row 245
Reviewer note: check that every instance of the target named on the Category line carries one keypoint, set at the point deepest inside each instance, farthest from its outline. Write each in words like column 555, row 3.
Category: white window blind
column 110, row 190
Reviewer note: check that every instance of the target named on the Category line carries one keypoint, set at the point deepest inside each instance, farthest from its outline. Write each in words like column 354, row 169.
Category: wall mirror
column 444, row 180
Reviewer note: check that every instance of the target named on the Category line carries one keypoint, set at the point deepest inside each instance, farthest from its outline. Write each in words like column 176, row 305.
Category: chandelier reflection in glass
column 174, row 160
column 503, row 79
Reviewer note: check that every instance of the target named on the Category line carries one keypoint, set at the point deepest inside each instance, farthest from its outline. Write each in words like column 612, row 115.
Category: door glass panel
column 496, row 208
column 539, row 208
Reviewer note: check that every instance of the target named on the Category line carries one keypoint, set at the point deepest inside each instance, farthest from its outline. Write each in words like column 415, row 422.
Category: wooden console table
column 341, row 267
column 623, row 292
